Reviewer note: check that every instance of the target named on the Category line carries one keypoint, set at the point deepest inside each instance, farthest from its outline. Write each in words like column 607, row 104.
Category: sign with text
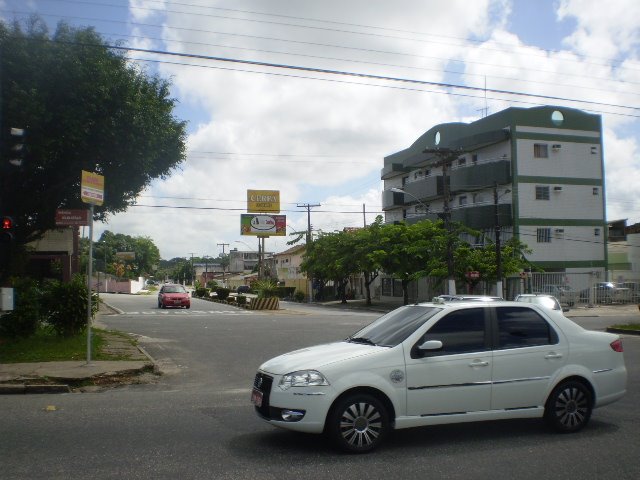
column 92, row 188
column 73, row 218
column 263, row 225
column 263, row 201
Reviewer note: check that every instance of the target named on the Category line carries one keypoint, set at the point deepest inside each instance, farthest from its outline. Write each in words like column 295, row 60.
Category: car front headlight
column 303, row 378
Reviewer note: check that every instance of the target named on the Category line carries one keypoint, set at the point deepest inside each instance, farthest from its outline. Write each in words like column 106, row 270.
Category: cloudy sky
column 280, row 121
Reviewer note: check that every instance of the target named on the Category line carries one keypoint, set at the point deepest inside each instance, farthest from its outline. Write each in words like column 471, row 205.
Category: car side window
column 461, row 331
column 523, row 327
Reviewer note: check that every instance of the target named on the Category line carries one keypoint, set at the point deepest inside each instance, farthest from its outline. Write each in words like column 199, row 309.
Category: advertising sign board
column 263, row 225
column 92, row 188
column 263, row 201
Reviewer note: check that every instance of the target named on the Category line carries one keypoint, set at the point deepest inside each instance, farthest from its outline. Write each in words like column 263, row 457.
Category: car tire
column 568, row 408
column 188, row 306
column 358, row 423
column 161, row 305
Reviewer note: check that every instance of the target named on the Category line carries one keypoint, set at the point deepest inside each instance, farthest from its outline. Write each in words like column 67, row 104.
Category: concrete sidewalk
column 61, row 377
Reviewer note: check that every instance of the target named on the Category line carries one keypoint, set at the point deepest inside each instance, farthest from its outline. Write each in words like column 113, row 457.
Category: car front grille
column 263, row 383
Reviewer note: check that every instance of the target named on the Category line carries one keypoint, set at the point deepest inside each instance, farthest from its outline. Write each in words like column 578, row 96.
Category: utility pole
column 498, row 230
column 223, row 267
column 498, row 246
column 309, row 207
column 192, row 268
column 446, row 156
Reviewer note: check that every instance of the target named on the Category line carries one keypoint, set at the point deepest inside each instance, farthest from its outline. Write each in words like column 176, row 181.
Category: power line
column 346, row 73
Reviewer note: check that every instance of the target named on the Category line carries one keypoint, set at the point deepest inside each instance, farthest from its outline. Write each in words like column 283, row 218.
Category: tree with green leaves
column 84, row 106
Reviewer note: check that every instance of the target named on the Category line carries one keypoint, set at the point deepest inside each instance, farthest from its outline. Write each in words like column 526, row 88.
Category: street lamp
column 400, row 190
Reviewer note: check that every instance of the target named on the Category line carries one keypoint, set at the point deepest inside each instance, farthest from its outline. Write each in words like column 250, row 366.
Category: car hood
column 313, row 358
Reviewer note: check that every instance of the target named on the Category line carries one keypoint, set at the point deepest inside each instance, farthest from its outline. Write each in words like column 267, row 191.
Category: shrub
column 212, row 284
column 241, row 299
column 66, row 306
column 285, row 292
column 202, row 292
column 266, row 288
column 26, row 316
column 231, row 299
column 299, row 296
column 223, row 293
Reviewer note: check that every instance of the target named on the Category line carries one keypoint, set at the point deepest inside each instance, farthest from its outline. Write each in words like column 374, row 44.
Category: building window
column 542, row 192
column 462, row 200
column 596, row 191
column 543, row 235
column 474, row 158
column 462, row 161
column 540, row 150
column 596, row 232
column 594, row 150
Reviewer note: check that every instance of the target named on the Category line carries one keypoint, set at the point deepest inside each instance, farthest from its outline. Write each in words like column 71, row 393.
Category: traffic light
column 6, row 232
column 18, row 146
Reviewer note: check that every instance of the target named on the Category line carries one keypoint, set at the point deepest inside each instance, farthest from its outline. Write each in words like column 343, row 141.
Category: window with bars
column 540, row 150
column 543, row 235
column 542, row 192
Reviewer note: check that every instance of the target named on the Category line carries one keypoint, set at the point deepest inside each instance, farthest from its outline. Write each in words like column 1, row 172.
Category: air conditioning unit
column 557, row 189
column 559, row 230
column 556, row 146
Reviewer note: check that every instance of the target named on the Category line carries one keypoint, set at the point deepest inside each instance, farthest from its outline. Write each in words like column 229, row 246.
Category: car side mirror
column 431, row 345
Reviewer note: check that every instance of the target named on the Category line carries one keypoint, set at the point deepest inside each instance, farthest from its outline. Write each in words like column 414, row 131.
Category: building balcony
column 425, row 189
column 391, row 170
column 482, row 217
column 480, row 175
column 391, row 200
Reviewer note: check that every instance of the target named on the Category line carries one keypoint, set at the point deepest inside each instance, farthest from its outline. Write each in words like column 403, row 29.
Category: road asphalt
column 64, row 377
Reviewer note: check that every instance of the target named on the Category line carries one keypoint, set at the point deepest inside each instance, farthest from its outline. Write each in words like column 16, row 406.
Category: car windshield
column 394, row 327
column 174, row 289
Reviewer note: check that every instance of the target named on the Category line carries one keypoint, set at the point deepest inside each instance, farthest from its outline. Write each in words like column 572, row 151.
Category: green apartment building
column 538, row 173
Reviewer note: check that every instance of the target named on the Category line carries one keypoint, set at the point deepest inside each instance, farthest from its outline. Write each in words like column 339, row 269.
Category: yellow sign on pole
column 263, row 201
column 92, row 188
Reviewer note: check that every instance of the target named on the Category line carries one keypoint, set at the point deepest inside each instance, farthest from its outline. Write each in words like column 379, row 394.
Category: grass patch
column 628, row 326
column 46, row 346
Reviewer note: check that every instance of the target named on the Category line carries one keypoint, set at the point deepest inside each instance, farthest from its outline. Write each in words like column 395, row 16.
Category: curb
column 623, row 331
column 19, row 389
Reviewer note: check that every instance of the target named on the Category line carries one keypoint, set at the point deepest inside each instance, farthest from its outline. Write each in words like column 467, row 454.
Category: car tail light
column 616, row 345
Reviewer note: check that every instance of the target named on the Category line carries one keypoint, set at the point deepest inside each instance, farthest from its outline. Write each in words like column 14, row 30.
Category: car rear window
column 523, row 327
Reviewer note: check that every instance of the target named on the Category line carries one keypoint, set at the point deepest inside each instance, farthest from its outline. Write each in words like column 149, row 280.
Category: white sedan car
column 439, row 363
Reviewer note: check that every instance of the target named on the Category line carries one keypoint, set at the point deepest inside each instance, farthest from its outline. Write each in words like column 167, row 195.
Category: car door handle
column 552, row 356
column 478, row 363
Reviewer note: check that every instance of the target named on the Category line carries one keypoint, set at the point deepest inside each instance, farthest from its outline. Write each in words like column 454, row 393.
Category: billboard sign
column 92, row 188
column 73, row 218
column 263, row 225
column 263, row 201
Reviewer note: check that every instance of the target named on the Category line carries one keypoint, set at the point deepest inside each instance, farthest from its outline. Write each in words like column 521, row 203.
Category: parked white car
column 439, row 363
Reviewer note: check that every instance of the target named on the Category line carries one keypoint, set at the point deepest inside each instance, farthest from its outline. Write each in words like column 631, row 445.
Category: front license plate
column 175, row 302
column 256, row 397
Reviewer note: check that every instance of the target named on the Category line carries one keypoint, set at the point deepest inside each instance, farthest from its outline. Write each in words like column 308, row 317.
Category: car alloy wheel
column 569, row 407
column 358, row 423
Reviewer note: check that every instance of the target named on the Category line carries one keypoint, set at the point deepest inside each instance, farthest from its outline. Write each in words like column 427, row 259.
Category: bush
column 66, row 306
column 285, row 292
column 299, row 296
column 241, row 299
column 231, row 299
column 202, row 292
column 223, row 293
column 266, row 288
column 24, row 320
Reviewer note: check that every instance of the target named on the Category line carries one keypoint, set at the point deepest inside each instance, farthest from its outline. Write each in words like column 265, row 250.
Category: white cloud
column 604, row 30
column 324, row 141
